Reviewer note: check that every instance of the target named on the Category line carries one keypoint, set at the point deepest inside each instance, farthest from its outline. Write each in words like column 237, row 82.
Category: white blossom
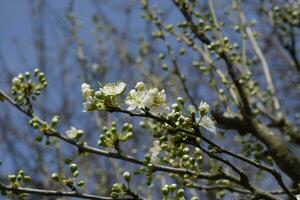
column 203, row 108
column 86, row 90
column 74, row 133
column 113, row 89
column 155, row 101
column 152, row 99
column 155, row 150
column 135, row 99
column 88, row 104
column 208, row 123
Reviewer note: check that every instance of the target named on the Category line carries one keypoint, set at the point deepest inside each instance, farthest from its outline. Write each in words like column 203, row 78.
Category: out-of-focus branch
column 262, row 58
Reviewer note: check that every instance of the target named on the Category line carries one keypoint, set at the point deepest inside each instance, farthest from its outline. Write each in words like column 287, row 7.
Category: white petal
column 208, row 124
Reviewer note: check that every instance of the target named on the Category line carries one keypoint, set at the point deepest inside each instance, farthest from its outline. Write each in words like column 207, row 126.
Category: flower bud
column 161, row 56
column 176, row 107
column 203, row 108
column 21, row 77
column 16, row 82
column 180, row 100
column 140, row 86
column 55, row 177
column 173, row 187
column 12, row 178
column 75, row 173
column 27, row 179
column 180, row 192
column 80, row 183
column 54, row 120
column 36, row 71
column 126, row 176
column 165, row 190
column 86, row 90
column 73, row 167
column 27, row 75
column 35, row 125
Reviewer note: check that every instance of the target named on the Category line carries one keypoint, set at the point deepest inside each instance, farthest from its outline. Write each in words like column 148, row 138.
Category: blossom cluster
column 152, row 99
column 140, row 98
column 102, row 99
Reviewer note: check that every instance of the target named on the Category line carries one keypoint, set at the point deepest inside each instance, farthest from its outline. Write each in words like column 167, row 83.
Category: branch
column 282, row 155
column 244, row 179
column 89, row 149
column 262, row 58
column 233, row 189
column 20, row 190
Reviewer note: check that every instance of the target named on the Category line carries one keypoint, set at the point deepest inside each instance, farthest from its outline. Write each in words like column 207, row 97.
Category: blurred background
column 104, row 41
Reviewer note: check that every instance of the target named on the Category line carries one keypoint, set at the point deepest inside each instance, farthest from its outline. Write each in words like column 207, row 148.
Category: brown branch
column 282, row 155
column 54, row 193
column 156, row 167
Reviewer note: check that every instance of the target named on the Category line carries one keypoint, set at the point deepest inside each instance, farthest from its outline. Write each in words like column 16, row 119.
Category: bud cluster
column 112, row 137
column 25, row 90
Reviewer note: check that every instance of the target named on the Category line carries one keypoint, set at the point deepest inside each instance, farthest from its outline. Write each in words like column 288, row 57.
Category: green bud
column 67, row 161
column 165, row 67
column 47, row 142
column 182, row 51
column 185, row 150
column 54, row 120
column 27, row 75
column 21, row 77
column 176, row 115
column 125, row 127
column 165, row 190
column 169, row 27
column 180, row 100
column 113, row 130
column 73, row 167
column 35, row 125
column 79, row 134
column 36, row 71
column 173, row 187
column 105, row 129
column 126, row 176
column 55, row 177
column 180, row 192
column 27, row 179
column 185, row 157
column 80, row 183
column 12, row 178
column 41, row 75
column 114, row 195
column 75, row 173
column 176, row 107
column 39, row 138
column 150, row 167
column 19, row 178
column 21, row 173
column 16, row 82
column 161, row 56
column 142, row 124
